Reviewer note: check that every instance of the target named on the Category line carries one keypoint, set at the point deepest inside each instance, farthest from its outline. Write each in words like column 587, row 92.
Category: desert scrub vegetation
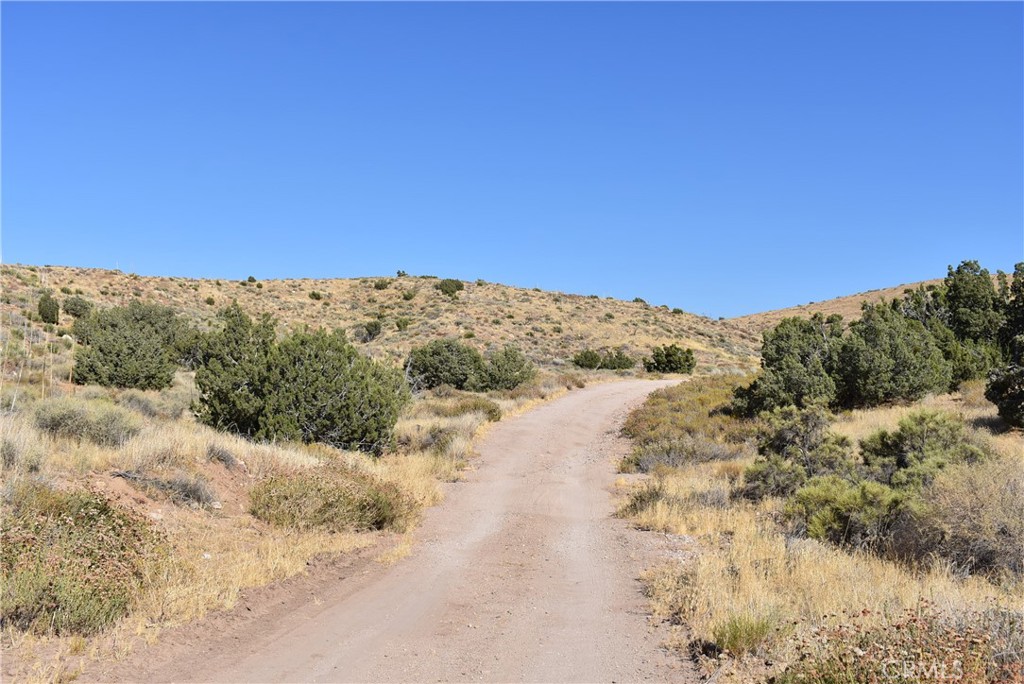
column 670, row 358
column 927, row 342
column 450, row 287
column 335, row 498
column 100, row 422
column 136, row 346
column 682, row 424
column 937, row 584
column 308, row 387
column 48, row 308
column 456, row 364
column 72, row 563
column 77, row 306
column 232, row 512
column 610, row 359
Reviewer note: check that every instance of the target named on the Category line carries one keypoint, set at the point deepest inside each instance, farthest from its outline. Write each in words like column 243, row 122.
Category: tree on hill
column 973, row 306
column 134, row 346
column 445, row 362
column 887, row 357
column 670, row 359
column 798, row 362
column 48, row 309
column 233, row 372
column 310, row 386
column 320, row 389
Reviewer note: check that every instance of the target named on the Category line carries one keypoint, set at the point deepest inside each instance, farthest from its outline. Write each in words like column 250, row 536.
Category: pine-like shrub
column 450, row 287
column 49, row 309
column 77, row 306
column 446, row 362
column 670, row 359
column 507, row 369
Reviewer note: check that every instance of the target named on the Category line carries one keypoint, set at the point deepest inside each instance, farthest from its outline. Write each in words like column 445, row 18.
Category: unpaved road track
column 520, row 576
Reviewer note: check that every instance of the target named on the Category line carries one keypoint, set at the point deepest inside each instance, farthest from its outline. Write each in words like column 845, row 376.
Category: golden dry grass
column 549, row 326
column 742, row 568
column 214, row 552
column 746, row 567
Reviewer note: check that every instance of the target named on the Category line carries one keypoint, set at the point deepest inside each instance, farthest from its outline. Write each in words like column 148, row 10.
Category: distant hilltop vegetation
column 388, row 316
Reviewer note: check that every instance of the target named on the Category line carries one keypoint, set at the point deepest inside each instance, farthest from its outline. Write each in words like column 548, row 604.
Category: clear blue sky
column 723, row 158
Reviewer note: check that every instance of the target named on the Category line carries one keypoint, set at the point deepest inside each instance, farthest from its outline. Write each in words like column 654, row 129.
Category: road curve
column 521, row 575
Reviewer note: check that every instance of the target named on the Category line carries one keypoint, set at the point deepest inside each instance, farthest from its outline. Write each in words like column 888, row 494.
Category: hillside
column 848, row 307
column 549, row 326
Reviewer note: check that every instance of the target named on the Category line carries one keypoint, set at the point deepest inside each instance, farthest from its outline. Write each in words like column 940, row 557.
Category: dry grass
column 549, row 326
column 216, row 548
column 214, row 560
column 969, row 405
column 747, row 569
column 761, row 593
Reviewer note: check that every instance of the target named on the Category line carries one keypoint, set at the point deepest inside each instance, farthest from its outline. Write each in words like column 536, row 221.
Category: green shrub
column 771, row 475
column 233, row 371
column 371, row 330
column 134, row 346
column 803, row 437
column 320, row 389
column 402, row 323
column 974, row 311
column 588, row 359
column 618, row 360
column 1005, row 389
column 670, row 359
column 251, row 279
column 381, row 284
column 48, row 309
column 446, row 362
column 507, row 369
column 610, row 360
column 334, row 498
column 887, row 357
column 924, row 443
column 797, row 360
column 407, row 295
column 210, row 301
column 450, row 287
column 315, row 295
column 95, row 421
column 311, row 386
column 78, row 307
column 71, row 562
column 835, row 510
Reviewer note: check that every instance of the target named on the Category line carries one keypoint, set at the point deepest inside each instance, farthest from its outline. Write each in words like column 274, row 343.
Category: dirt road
column 521, row 575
